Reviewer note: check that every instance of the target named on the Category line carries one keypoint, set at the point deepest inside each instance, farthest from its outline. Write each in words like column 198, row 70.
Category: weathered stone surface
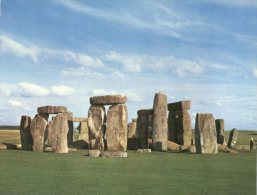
column 205, row 134
column 96, row 127
column 108, row 100
column 77, row 119
column 44, row 115
column 70, row 126
column 220, row 131
column 149, row 126
column 10, row 146
column 60, row 130
column 3, row 147
column 37, row 129
column 143, row 151
column 145, row 112
column 132, row 126
column 182, row 105
column 49, row 133
column 223, row 148
column 141, row 130
column 160, row 124
column 94, row 153
column 83, row 139
column 133, row 143
column 26, row 137
column 116, row 127
column 192, row 149
column 51, row 109
column 232, row 138
column 183, row 127
column 172, row 126
column 172, row 146
column 114, row 154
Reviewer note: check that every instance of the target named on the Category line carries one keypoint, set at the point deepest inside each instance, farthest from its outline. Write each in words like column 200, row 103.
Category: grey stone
column 108, row 100
column 70, row 131
column 51, row 109
column 94, row 153
column 49, row 133
column 182, row 105
column 143, row 151
column 114, row 154
column 232, row 138
column 60, row 130
column 160, row 124
column 205, row 134
column 132, row 126
column 141, row 129
column 26, row 137
column 220, row 131
column 37, row 129
column 96, row 127
column 116, row 127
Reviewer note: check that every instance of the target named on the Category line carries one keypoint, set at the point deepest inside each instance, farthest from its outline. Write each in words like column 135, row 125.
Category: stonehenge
column 179, row 123
column 167, row 126
column 205, row 134
column 160, row 125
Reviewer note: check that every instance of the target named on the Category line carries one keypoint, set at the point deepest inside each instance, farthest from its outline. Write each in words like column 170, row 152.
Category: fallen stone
column 232, row 138
column 37, row 129
column 182, row 105
column 143, row 151
column 3, row 147
column 51, row 109
column 220, row 131
column 72, row 149
column 26, row 137
column 9, row 146
column 172, row 146
column 116, row 128
column 59, row 133
column 223, row 148
column 114, row 154
column 108, row 100
column 48, row 149
column 160, row 124
column 94, row 153
column 19, row 147
column 96, row 127
column 205, row 134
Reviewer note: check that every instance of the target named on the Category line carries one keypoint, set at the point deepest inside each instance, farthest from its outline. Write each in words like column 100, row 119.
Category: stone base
column 114, row 154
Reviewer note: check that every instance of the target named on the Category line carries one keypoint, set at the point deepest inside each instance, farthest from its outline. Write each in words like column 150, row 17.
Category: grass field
column 24, row 172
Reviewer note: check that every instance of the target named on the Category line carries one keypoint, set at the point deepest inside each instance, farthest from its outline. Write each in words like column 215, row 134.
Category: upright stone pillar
column 232, row 138
column 60, row 130
column 26, row 137
column 160, row 124
column 37, row 129
column 180, row 130
column 96, row 127
column 70, row 127
column 132, row 126
column 220, row 131
column 49, row 133
column 205, row 134
column 116, row 127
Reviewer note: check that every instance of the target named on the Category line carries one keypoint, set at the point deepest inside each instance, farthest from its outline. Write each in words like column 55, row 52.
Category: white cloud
column 10, row 45
column 15, row 103
column 96, row 92
column 255, row 72
column 30, row 89
column 188, row 67
column 62, row 90
column 133, row 96
column 131, row 64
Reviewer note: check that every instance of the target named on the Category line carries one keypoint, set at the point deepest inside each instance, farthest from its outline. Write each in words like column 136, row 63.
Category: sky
column 62, row 52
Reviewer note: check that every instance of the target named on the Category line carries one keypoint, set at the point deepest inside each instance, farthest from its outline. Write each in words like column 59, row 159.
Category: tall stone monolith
column 220, row 131
column 26, row 137
column 232, row 138
column 160, row 125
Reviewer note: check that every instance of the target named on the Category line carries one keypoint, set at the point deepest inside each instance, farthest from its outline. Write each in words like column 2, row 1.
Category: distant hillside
column 9, row 127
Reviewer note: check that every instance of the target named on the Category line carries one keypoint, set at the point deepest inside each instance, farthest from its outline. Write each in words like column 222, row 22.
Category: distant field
column 13, row 136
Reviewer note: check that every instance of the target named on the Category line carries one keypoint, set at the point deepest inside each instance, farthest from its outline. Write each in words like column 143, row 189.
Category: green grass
column 243, row 136
column 155, row 173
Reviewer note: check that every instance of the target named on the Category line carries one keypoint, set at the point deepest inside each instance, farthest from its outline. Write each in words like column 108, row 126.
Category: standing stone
column 116, row 127
column 179, row 122
column 232, row 138
column 37, row 129
column 150, row 126
column 132, row 126
column 160, row 123
column 96, row 127
column 70, row 127
column 49, row 133
column 220, row 130
column 142, row 126
column 83, row 131
column 26, row 137
column 60, row 130
column 205, row 134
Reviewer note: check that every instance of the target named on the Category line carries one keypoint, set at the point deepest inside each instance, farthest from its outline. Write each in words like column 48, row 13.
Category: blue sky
column 61, row 52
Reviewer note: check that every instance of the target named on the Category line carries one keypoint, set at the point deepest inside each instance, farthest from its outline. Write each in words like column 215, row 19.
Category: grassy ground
column 23, row 172
column 156, row 173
